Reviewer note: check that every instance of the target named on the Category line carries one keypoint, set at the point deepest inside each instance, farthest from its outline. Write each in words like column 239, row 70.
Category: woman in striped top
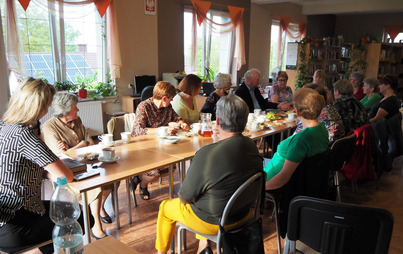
column 24, row 161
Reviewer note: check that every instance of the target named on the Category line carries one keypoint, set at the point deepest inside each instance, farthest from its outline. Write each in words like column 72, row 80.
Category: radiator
column 91, row 115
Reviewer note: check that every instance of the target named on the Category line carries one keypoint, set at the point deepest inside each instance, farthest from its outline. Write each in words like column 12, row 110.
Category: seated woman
column 329, row 116
column 389, row 105
column 312, row 139
column 352, row 112
column 222, row 84
column 372, row 97
column 319, row 78
column 356, row 79
column 184, row 103
column 65, row 132
column 26, row 161
column 281, row 92
column 155, row 112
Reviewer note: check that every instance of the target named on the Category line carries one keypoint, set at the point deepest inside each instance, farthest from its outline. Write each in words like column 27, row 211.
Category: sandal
column 144, row 194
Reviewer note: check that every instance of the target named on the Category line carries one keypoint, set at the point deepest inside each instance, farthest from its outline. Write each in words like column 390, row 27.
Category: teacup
column 195, row 127
column 257, row 112
column 106, row 138
column 291, row 116
column 162, row 131
column 108, row 153
column 255, row 125
column 125, row 137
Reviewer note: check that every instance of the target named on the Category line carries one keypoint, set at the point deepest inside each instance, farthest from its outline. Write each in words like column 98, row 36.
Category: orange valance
column 201, row 7
column 102, row 5
column 393, row 31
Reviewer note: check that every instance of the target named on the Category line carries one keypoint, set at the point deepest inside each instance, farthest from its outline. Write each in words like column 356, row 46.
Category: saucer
column 101, row 158
column 170, row 139
column 110, row 144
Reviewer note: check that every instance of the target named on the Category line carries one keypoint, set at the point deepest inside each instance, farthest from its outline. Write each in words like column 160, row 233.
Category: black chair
column 248, row 195
column 147, row 92
column 341, row 151
column 311, row 178
column 337, row 228
column 208, row 88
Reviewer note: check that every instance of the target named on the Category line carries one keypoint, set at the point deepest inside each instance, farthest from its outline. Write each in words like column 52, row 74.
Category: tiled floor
column 141, row 234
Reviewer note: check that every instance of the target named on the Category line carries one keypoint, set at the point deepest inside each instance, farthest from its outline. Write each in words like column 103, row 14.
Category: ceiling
column 313, row 7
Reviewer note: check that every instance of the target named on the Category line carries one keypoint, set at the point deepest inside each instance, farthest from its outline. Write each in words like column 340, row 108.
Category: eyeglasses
column 282, row 80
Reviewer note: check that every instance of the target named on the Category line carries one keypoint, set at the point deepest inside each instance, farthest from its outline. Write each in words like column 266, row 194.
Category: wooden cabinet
column 385, row 59
column 129, row 104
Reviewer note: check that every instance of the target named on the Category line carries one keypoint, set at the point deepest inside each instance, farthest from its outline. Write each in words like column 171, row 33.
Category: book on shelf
column 75, row 166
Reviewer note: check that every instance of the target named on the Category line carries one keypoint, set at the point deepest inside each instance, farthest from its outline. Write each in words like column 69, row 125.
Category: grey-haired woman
column 222, row 84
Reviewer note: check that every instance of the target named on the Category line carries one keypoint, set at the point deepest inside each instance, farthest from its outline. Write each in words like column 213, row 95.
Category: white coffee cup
column 255, row 125
column 195, row 127
column 162, row 131
column 251, row 117
column 125, row 137
column 257, row 112
column 291, row 116
column 108, row 153
column 106, row 138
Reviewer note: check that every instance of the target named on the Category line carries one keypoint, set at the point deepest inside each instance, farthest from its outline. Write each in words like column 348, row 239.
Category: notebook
column 75, row 166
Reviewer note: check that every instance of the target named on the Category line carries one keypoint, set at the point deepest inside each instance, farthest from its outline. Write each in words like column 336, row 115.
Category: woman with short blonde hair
column 311, row 140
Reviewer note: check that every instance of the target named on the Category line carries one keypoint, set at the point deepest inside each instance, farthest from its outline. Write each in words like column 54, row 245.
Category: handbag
column 248, row 240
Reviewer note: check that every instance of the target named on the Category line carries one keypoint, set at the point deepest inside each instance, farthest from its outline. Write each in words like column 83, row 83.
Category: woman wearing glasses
column 281, row 92
column 389, row 104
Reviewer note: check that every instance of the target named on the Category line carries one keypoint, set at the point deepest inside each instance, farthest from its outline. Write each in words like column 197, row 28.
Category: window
column 213, row 52
column 397, row 39
column 61, row 49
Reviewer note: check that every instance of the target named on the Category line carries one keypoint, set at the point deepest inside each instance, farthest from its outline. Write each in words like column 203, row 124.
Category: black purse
column 247, row 240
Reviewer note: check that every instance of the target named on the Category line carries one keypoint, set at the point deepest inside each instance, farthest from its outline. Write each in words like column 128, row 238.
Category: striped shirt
column 22, row 158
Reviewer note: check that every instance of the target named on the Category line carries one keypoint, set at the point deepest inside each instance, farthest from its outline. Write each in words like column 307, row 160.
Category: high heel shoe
column 134, row 182
column 107, row 219
column 144, row 194
column 206, row 250
column 96, row 237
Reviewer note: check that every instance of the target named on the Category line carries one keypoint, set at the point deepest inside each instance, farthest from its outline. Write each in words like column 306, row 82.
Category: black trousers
column 27, row 229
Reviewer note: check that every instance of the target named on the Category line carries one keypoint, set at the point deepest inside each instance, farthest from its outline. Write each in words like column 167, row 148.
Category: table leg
column 171, row 182
column 129, row 206
column 86, row 217
column 115, row 193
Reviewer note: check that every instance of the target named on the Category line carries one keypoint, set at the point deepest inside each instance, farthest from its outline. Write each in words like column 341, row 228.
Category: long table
column 144, row 154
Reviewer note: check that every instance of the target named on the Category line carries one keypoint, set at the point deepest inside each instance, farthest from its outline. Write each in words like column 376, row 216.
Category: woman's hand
column 62, row 145
column 184, row 126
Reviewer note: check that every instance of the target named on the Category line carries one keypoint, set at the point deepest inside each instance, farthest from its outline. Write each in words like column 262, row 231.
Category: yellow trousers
column 170, row 212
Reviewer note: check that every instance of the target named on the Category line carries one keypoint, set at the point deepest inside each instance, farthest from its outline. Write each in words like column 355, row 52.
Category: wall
column 138, row 39
column 320, row 26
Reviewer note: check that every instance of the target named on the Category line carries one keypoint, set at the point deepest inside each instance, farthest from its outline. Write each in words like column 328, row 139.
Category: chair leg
column 337, row 184
column 134, row 192
column 179, row 240
column 277, row 227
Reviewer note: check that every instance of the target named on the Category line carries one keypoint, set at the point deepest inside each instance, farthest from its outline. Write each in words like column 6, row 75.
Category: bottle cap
column 61, row 180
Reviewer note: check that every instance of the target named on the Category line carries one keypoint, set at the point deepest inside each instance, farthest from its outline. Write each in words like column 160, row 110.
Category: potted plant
column 104, row 89
column 82, row 91
column 64, row 86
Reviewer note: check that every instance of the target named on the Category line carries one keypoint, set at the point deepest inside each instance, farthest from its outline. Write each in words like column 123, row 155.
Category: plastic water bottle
column 64, row 211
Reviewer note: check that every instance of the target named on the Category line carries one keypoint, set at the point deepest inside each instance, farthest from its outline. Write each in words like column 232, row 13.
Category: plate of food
column 185, row 134
column 88, row 156
column 272, row 116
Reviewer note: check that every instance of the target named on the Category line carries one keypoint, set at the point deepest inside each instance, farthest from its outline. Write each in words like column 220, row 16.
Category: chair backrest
column 208, row 88
column 341, row 151
column 115, row 126
column 248, row 195
column 311, row 178
column 331, row 227
column 147, row 92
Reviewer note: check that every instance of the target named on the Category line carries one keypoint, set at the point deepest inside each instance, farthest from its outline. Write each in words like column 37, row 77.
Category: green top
column 369, row 103
column 215, row 173
column 296, row 148
column 184, row 111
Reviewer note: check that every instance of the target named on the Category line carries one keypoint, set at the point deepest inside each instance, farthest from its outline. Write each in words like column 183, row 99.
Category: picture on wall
column 150, row 7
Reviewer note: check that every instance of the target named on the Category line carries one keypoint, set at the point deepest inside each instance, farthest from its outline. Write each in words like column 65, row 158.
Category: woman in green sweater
column 372, row 96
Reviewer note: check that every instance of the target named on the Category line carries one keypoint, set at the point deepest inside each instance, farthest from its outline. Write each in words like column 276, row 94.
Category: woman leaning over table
column 25, row 161
column 65, row 132
column 372, row 97
column 389, row 105
column 184, row 103
column 281, row 92
column 155, row 112
column 312, row 139
column 222, row 84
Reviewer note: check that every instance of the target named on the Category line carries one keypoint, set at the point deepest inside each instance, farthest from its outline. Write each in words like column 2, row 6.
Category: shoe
column 134, row 182
column 144, row 194
column 96, row 237
column 107, row 219
column 206, row 250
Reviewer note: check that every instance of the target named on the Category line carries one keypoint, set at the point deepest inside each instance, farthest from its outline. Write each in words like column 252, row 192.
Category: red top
column 359, row 94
